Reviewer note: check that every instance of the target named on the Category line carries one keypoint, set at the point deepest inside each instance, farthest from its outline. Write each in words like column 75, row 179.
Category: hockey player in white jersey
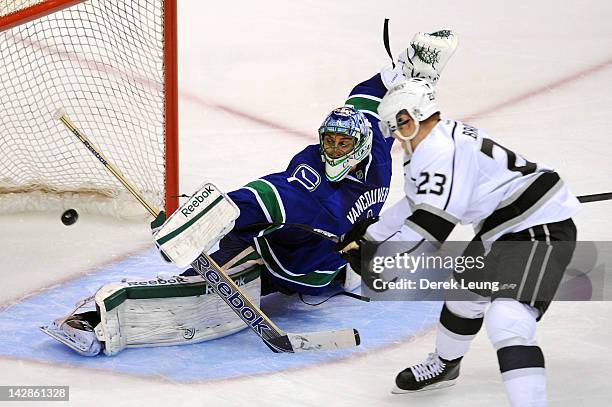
column 455, row 173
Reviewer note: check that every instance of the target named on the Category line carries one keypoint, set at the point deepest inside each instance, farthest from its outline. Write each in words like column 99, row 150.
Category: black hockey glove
column 349, row 245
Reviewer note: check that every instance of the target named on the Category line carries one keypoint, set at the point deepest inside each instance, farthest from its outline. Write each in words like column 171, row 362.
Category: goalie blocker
column 196, row 226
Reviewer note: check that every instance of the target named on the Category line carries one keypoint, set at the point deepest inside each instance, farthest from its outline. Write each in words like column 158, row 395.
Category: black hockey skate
column 434, row 373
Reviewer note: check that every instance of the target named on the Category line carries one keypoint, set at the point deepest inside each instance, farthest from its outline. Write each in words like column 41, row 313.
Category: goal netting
column 111, row 66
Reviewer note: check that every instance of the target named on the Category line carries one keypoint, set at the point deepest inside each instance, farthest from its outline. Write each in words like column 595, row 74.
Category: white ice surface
column 256, row 79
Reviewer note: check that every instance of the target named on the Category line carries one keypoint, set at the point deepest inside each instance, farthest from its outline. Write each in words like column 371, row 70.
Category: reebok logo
column 197, row 200
column 92, row 149
column 239, row 282
column 159, row 281
column 233, row 298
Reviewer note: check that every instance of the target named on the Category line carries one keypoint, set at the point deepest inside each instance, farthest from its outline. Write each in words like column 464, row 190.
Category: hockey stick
column 319, row 232
column 274, row 337
column 595, row 197
column 386, row 41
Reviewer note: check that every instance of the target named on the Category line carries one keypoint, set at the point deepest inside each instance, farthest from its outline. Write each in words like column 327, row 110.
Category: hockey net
column 111, row 66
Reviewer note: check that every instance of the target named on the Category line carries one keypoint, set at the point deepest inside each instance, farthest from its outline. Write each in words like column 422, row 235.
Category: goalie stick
column 319, row 232
column 275, row 338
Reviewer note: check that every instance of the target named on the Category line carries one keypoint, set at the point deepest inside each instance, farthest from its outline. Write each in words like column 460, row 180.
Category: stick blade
column 326, row 340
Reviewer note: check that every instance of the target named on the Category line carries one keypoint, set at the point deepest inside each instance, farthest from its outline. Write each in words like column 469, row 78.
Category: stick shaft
column 113, row 170
column 595, row 197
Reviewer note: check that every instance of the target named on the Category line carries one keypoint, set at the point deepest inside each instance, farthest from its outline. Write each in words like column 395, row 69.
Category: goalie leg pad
column 162, row 312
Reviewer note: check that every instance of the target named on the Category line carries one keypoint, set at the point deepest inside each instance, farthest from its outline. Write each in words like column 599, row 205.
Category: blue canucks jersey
column 294, row 258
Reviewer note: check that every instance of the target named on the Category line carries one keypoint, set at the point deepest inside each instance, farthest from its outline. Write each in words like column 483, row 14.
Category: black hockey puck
column 70, row 217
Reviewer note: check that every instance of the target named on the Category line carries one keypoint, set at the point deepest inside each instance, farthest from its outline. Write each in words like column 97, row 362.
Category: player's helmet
column 348, row 121
column 416, row 96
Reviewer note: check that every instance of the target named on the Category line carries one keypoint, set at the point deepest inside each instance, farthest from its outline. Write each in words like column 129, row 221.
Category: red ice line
column 540, row 90
column 476, row 115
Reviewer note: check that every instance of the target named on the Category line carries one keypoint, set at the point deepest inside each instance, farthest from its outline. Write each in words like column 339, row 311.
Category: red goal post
column 111, row 65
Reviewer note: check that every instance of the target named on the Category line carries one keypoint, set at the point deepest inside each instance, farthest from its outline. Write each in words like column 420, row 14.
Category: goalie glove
column 425, row 57
column 428, row 54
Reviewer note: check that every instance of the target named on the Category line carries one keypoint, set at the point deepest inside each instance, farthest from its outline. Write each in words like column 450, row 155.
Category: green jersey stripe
column 267, row 195
column 362, row 103
column 314, row 279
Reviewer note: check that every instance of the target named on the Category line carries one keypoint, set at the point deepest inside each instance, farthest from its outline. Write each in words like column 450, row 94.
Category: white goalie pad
column 197, row 225
column 173, row 311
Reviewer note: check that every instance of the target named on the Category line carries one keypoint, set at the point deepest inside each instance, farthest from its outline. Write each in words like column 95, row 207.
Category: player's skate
column 76, row 333
column 432, row 374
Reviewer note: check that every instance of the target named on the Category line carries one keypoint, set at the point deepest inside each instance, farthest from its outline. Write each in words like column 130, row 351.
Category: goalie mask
column 415, row 97
column 345, row 139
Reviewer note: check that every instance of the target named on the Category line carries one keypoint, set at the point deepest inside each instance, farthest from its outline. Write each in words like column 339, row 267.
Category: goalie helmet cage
column 112, row 66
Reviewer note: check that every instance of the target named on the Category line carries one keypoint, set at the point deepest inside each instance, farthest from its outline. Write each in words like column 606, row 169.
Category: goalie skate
column 76, row 333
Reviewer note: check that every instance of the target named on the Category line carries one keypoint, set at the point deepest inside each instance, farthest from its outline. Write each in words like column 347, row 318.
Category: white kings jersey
column 457, row 174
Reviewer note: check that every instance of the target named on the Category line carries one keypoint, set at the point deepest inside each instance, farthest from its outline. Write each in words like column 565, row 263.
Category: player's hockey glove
column 349, row 245
column 155, row 225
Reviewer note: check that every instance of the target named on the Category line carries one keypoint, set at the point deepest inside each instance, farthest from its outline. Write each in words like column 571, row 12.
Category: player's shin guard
column 455, row 333
column 511, row 327
column 522, row 369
